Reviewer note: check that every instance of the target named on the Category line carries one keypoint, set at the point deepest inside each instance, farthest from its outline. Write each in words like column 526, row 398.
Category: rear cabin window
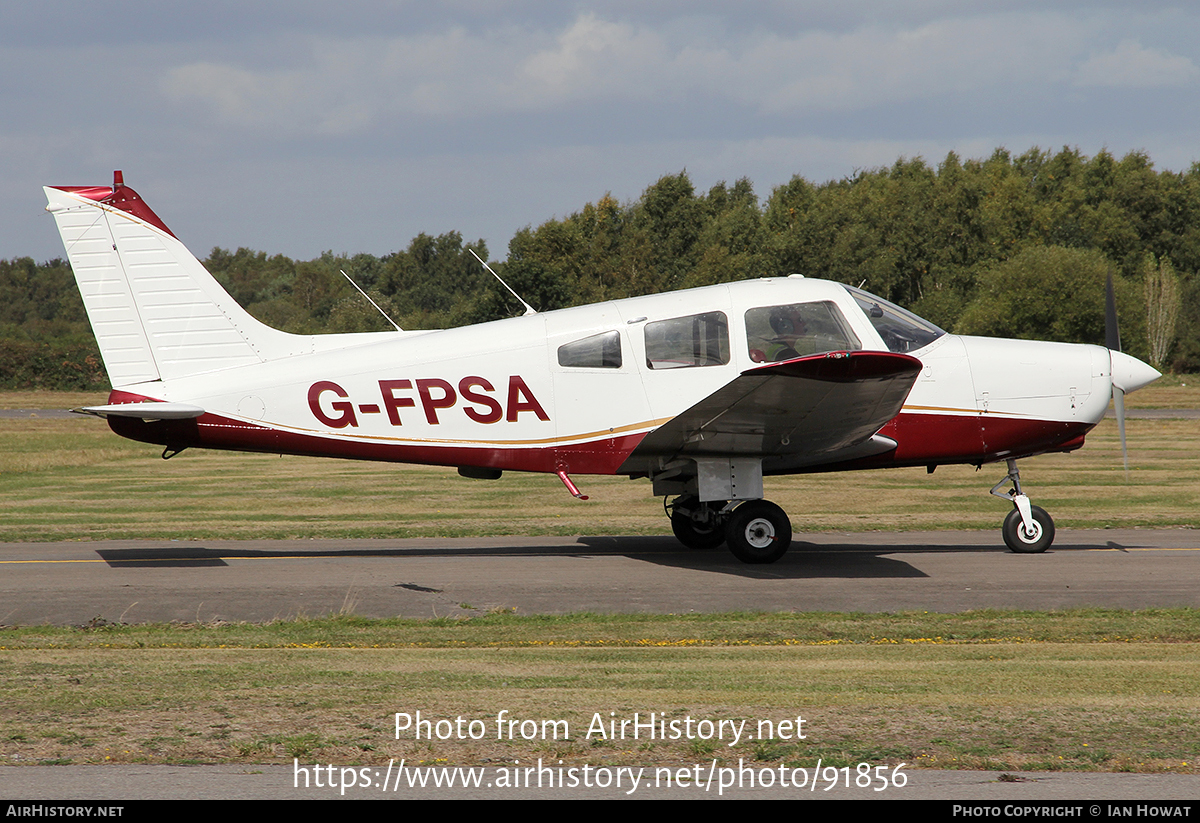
column 685, row 342
column 775, row 333
column 600, row 351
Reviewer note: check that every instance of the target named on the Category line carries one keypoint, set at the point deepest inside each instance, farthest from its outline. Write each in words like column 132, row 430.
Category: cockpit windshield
column 901, row 330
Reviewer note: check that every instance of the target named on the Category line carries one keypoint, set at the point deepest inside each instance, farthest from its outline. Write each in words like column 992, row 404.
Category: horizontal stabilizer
column 144, row 411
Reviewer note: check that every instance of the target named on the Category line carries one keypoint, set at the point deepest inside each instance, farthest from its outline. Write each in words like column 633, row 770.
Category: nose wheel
column 1028, row 529
column 1032, row 539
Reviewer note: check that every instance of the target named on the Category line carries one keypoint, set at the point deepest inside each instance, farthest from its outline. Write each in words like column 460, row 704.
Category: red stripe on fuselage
column 213, row 431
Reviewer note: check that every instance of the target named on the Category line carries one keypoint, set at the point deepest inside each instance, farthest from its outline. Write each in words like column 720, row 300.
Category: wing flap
column 801, row 408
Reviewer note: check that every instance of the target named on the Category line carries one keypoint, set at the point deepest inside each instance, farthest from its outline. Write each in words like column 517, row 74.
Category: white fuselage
column 495, row 394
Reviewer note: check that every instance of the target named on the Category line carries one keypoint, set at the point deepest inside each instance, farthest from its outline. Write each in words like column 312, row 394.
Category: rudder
column 155, row 310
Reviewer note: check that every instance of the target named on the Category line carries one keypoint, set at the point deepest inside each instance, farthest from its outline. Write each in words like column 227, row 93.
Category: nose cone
column 1130, row 374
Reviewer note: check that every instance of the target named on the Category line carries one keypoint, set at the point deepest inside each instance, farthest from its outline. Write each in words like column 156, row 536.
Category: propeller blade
column 1119, row 407
column 1112, row 341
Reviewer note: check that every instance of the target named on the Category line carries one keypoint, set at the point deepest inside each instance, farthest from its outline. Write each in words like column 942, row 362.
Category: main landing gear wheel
column 1029, row 541
column 697, row 525
column 758, row 532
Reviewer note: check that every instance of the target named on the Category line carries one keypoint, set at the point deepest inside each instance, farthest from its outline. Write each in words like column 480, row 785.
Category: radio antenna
column 372, row 302
column 528, row 308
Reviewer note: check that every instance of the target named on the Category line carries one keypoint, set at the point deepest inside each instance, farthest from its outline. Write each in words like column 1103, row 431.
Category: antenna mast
column 372, row 302
column 528, row 308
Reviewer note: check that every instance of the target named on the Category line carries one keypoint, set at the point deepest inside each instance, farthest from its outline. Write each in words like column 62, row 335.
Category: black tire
column 1018, row 540
column 703, row 533
column 758, row 531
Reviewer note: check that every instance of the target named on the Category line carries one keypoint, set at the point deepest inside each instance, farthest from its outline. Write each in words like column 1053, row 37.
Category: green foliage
column 27, row 364
column 435, row 282
column 1161, row 287
column 1053, row 293
column 45, row 341
column 933, row 238
column 538, row 269
column 732, row 238
column 1186, row 359
column 41, row 304
column 672, row 217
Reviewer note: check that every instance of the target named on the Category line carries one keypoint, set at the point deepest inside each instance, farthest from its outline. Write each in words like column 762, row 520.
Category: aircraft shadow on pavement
column 666, row 552
column 200, row 556
column 798, row 564
column 166, row 558
column 805, row 560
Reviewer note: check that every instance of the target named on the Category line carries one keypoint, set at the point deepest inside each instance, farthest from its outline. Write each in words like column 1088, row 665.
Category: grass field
column 1085, row 690
column 1089, row 690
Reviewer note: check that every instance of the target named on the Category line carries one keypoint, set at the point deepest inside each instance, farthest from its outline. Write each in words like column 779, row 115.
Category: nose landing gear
column 1028, row 529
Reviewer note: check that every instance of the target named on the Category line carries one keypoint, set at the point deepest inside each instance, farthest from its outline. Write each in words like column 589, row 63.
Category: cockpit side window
column 600, row 351
column 901, row 330
column 775, row 333
column 684, row 342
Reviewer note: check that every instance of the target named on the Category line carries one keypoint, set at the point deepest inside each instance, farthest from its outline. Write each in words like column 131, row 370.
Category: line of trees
column 1016, row 246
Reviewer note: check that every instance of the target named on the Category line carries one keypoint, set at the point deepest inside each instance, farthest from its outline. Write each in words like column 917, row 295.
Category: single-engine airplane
column 704, row 391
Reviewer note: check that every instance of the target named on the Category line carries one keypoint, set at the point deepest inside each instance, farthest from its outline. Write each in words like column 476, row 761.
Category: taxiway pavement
column 136, row 581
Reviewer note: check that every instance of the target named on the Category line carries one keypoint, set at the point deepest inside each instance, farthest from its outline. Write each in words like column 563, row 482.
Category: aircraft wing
column 799, row 410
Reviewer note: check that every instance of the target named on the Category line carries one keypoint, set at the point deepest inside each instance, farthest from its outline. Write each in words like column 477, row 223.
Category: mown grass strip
column 507, row 630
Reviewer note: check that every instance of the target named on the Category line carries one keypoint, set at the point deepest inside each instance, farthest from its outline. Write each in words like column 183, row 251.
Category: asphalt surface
column 147, row 581
column 53, row 414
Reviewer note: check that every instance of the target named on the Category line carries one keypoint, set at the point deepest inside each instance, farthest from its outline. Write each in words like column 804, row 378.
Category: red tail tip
column 118, row 180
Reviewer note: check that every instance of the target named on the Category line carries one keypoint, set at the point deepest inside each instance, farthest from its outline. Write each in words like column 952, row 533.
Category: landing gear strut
column 1028, row 529
column 756, row 531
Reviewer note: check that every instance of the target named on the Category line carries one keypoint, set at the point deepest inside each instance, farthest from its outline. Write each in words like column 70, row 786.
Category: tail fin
column 156, row 312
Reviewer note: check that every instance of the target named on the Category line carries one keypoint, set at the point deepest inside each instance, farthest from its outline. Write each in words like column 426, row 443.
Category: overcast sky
column 299, row 126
